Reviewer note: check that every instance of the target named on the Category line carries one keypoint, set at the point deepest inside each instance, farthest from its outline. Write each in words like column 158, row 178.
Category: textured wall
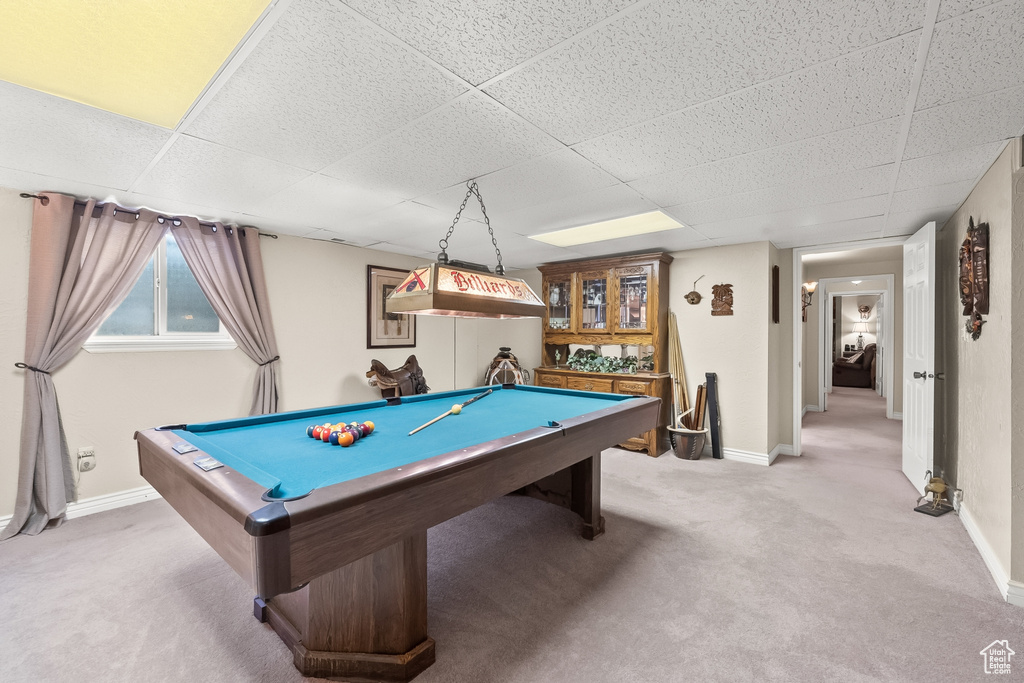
column 317, row 297
column 976, row 420
column 735, row 347
column 780, row 353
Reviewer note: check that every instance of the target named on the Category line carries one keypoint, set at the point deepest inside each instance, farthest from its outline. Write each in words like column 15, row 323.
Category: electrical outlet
column 86, row 459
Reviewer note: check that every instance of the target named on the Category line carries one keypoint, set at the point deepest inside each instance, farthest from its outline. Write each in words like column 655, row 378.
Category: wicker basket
column 687, row 444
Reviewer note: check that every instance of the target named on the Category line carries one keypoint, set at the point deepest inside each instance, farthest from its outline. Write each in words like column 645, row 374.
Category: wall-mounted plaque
column 974, row 276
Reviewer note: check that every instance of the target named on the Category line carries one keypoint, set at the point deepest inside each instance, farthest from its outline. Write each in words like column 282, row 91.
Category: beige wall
column 813, row 352
column 734, row 347
column 975, row 422
column 317, row 295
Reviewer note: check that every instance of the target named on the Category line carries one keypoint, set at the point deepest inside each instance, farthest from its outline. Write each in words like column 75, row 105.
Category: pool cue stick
column 446, row 414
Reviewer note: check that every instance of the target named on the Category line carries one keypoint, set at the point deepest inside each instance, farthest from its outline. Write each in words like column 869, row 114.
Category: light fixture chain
column 499, row 269
column 443, row 242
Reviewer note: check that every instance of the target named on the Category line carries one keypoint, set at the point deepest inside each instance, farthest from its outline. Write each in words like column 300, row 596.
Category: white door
column 918, row 354
column 881, row 345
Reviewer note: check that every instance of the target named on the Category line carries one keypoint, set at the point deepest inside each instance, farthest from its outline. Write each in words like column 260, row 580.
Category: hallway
column 854, row 430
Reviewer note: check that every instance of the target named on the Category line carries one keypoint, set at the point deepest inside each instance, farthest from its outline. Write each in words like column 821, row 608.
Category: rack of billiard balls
column 340, row 434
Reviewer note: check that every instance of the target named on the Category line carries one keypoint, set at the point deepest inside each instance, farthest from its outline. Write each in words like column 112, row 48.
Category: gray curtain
column 227, row 265
column 83, row 262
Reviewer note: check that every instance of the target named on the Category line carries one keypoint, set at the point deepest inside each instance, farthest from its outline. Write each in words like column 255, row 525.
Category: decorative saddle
column 505, row 369
column 404, row 381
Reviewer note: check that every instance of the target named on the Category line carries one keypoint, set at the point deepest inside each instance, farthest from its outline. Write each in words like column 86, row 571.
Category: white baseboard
column 746, row 456
column 897, row 416
column 1012, row 591
column 780, row 449
column 811, row 409
column 1015, row 593
column 103, row 503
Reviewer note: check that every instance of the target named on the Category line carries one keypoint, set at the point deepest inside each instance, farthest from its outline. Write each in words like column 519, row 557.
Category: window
column 165, row 311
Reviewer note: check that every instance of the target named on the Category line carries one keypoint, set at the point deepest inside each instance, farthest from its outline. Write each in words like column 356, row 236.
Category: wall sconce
column 805, row 297
column 865, row 312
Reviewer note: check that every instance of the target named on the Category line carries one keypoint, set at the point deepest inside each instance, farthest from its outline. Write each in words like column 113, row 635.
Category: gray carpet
column 815, row 569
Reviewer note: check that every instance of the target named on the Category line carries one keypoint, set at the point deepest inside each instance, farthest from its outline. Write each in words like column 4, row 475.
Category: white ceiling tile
column 535, row 181
column 201, row 172
column 909, row 222
column 767, row 226
column 320, row 85
column 24, row 181
column 477, row 39
column 427, row 256
column 974, row 54
column 949, row 167
column 930, row 197
column 852, row 90
column 862, row 147
column 844, row 231
column 965, row 124
column 571, row 211
column 670, row 55
column 323, row 202
column 954, row 8
column 825, row 190
column 338, row 238
column 51, row 136
column 405, row 223
column 468, row 138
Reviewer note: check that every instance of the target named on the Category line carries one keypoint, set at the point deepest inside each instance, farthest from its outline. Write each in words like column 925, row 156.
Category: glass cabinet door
column 594, row 292
column 634, row 284
column 559, row 303
column 633, row 302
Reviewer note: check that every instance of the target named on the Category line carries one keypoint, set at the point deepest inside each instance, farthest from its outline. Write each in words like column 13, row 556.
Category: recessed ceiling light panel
column 630, row 226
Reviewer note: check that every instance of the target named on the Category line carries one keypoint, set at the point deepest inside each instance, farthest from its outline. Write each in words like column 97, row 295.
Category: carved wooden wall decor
column 721, row 304
column 974, row 276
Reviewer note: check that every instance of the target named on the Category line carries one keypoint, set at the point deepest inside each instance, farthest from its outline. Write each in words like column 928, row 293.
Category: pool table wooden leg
column 366, row 621
column 578, row 488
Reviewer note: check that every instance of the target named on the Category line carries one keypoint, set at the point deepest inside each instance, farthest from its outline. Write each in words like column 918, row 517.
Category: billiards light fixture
column 461, row 289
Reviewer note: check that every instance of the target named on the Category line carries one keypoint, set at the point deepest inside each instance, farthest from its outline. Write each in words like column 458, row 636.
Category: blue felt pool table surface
column 274, row 451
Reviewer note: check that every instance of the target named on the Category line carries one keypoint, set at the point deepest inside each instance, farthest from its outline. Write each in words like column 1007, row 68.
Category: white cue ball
column 456, row 409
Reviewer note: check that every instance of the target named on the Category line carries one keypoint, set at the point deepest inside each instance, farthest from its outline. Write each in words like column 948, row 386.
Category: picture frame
column 386, row 330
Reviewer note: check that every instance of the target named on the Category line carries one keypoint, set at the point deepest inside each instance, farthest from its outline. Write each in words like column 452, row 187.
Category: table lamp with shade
column 860, row 328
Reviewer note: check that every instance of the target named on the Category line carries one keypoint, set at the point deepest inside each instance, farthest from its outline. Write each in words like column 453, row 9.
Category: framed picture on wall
column 386, row 330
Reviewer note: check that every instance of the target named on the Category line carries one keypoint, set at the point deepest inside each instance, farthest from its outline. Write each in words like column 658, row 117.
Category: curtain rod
column 46, row 200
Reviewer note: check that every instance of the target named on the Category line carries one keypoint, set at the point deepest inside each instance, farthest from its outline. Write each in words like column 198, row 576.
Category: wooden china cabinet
column 618, row 306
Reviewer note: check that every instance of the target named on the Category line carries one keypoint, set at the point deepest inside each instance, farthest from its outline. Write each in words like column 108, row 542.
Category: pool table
column 333, row 540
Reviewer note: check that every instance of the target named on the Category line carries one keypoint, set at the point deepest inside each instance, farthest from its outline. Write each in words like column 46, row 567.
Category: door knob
column 922, row 375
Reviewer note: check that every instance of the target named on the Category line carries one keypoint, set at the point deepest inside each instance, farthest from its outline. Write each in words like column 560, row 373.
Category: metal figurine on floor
column 941, row 500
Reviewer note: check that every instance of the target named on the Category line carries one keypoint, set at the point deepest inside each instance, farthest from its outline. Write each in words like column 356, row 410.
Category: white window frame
column 162, row 340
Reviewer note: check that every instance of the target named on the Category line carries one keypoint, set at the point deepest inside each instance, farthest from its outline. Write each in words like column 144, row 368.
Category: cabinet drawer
column 624, row 386
column 590, row 384
column 555, row 381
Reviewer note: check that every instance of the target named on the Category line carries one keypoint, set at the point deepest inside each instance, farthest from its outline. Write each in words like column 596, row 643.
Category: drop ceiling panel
column 930, row 197
column 845, row 231
column 535, row 181
column 953, row 8
column 323, row 202
column 479, row 40
column 949, row 167
column 55, row 137
column 856, row 89
column 406, row 223
column 201, row 172
column 668, row 55
column 966, row 124
column 829, row 189
column 320, row 85
column 338, row 238
column 766, row 226
column 571, row 211
column 909, row 222
column 856, row 148
column 974, row 54
column 470, row 137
